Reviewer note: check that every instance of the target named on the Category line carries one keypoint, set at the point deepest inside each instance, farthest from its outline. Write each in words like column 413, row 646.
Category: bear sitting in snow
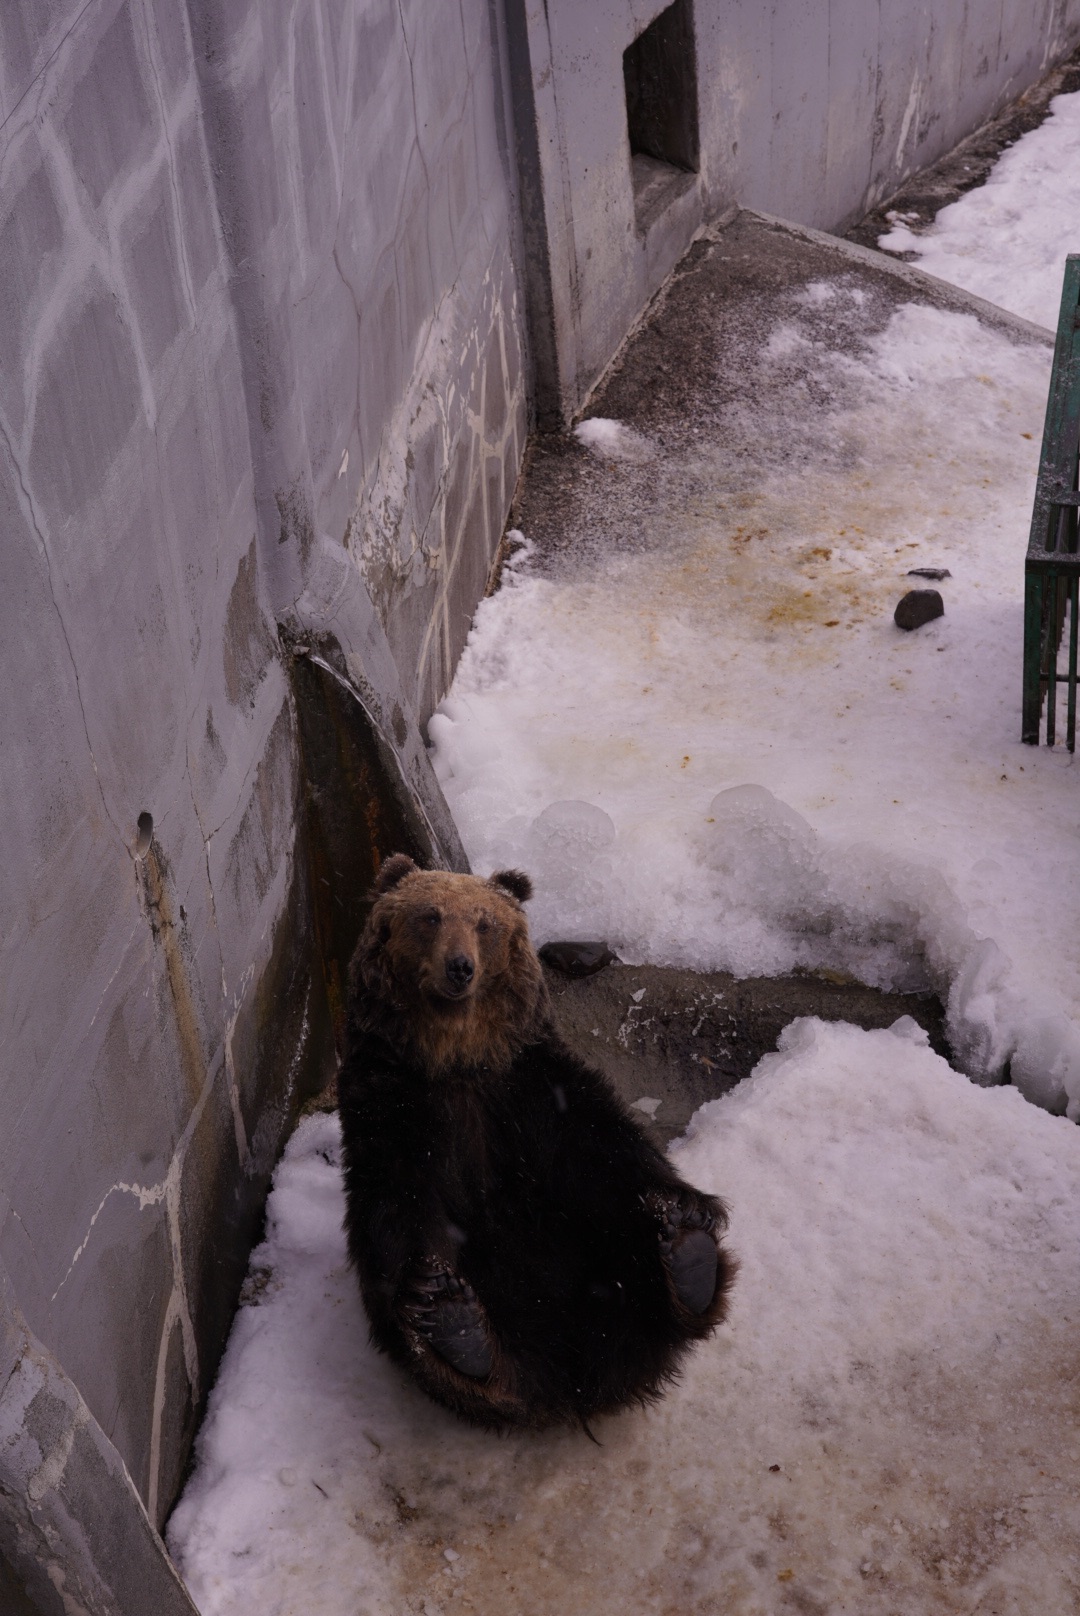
column 522, row 1247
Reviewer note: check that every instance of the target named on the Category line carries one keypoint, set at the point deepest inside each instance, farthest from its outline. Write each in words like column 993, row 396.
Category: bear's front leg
column 443, row 1310
column 689, row 1228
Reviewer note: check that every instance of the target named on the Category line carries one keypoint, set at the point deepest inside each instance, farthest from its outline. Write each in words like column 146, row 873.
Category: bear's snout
column 460, row 971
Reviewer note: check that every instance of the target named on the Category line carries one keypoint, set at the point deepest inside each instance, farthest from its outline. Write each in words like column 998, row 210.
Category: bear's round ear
column 393, row 870
column 515, row 882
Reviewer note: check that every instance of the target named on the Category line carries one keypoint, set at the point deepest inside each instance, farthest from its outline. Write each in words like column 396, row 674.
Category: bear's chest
column 486, row 1133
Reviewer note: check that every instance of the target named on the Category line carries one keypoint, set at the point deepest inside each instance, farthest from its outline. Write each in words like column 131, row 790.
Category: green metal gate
column 1052, row 566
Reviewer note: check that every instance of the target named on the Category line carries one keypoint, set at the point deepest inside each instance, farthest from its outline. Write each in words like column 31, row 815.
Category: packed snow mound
column 1008, row 239
column 612, row 440
column 712, row 746
column 886, row 1423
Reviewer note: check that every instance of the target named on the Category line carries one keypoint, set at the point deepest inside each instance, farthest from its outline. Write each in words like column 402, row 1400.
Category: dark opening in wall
column 660, row 75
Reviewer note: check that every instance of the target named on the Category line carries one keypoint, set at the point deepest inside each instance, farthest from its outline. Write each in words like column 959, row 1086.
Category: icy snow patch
column 716, row 750
column 886, row 1423
column 612, row 440
column 1007, row 239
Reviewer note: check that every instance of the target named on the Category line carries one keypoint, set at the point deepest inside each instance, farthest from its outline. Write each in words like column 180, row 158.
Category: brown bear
column 522, row 1247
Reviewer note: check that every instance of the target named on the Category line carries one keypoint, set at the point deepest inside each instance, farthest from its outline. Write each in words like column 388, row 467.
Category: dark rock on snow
column 577, row 959
column 917, row 607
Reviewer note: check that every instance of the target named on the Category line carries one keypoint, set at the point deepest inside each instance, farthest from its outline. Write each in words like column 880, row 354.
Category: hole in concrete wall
column 144, row 834
column 660, row 78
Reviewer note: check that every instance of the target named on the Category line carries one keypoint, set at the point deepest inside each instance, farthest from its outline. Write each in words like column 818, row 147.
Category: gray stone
column 576, row 960
column 917, row 607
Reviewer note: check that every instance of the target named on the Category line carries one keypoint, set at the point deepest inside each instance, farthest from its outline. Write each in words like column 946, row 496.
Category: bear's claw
column 448, row 1315
column 688, row 1251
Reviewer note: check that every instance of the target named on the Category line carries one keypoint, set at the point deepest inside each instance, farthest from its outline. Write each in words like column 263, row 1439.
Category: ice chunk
column 567, row 850
column 1045, row 1064
column 908, row 1028
column 765, row 855
column 572, row 828
column 612, row 439
column 979, row 1030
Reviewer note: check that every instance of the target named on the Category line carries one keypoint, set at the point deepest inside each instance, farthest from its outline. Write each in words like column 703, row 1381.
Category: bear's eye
column 432, row 918
column 483, row 926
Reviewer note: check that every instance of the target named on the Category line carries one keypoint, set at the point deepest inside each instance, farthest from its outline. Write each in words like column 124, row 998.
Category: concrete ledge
column 929, row 287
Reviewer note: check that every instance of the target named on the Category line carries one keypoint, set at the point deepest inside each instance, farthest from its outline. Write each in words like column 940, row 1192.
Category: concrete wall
column 814, row 110
column 260, row 364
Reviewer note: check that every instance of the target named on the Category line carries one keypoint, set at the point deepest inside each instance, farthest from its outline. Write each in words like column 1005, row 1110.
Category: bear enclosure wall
column 260, row 365
column 814, row 110
column 266, row 273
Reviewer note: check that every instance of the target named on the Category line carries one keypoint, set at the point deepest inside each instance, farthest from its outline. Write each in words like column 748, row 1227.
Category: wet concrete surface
column 922, row 197
column 691, row 376
column 684, row 1037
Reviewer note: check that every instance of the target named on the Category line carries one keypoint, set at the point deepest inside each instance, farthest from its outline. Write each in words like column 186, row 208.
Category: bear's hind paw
column 447, row 1315
column 689, row 1252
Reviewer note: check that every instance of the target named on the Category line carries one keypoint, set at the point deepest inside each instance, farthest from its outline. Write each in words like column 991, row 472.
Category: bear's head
column 445, row 969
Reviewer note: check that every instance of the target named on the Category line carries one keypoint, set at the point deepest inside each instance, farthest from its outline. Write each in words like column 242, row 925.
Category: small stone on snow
column 917, row 607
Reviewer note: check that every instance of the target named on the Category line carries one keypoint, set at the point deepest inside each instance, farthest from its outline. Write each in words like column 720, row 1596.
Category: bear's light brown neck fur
column 486, row 1032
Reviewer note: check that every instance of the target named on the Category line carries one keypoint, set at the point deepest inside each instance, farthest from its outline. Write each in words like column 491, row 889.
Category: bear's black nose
column 459, row 971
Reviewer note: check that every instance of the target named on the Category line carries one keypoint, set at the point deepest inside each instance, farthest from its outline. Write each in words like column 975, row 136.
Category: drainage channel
column 683, row 1037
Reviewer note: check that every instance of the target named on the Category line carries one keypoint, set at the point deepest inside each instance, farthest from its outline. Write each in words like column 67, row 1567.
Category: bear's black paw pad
column 447, row 1314
column 688, row 1249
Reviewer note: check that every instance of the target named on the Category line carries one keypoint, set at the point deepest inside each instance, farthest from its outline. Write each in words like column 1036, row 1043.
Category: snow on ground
column 717, row 750
column 714, row 748
column 887, row 1423
column 1007, row 240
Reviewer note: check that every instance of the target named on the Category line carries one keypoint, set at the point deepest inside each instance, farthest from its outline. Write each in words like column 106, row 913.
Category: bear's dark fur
column 522, row 1247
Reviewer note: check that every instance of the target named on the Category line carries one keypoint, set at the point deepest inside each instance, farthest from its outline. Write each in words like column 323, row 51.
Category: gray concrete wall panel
column 813, row 110
column 260, row 347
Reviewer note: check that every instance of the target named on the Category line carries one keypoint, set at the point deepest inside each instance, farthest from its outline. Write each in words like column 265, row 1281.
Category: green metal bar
column 1033, row 604
column 1051, row 573
column 1049, row 662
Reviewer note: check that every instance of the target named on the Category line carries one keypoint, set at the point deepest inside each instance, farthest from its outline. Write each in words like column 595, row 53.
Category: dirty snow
column 1007, row 240
column 888, row 1422
column 717, row 750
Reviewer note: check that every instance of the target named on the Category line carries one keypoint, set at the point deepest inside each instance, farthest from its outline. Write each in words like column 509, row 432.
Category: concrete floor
column 688, row 369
